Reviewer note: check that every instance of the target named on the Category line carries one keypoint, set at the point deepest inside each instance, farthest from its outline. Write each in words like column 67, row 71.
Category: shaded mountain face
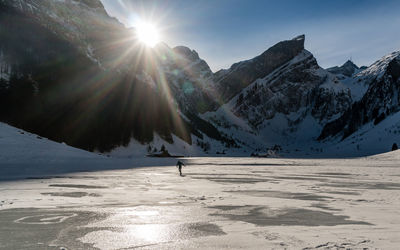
column 72, row 74
column 231, row 81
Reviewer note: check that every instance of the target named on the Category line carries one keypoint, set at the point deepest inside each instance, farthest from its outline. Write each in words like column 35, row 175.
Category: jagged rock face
column 347, row 69
column 328, row 104
column 380, row 100
column 230, row 82
column 293, row 86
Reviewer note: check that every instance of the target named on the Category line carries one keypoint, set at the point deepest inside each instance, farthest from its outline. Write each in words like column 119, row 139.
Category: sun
column 147, row 33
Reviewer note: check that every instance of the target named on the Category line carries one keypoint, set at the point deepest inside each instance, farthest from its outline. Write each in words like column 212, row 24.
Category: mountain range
column 71, row 73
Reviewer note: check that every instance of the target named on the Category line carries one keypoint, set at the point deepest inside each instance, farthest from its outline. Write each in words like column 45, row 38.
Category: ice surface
column 220, row 203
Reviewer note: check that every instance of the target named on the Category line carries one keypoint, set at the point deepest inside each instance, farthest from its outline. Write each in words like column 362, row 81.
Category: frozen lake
column 218, row 203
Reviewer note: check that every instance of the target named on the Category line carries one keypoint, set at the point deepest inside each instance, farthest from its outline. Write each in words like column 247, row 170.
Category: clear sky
column 227, row 31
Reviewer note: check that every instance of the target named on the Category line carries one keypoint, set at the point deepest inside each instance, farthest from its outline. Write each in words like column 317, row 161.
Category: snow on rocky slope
column 287, row 108
column 381, row 100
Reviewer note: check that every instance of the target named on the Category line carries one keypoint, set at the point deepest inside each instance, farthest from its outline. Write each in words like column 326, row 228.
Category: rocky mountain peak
column 349, row 64
column 347, row 69
column 187, row 53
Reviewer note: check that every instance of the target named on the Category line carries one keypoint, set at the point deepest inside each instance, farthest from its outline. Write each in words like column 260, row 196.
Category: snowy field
column 219, row 203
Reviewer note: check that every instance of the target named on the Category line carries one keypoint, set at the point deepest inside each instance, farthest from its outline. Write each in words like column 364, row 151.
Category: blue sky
column 226, row 31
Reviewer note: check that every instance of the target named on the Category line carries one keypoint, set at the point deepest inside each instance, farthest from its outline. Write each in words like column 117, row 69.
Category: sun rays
column 147, row 33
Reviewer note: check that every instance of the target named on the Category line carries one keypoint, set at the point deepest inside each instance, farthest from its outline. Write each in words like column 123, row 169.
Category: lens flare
column 147, row 33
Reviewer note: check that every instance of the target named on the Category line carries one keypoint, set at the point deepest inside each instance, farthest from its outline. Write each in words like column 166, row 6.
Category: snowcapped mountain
column 298, row 84
column 380, row 100
column 71, row 73
column 286, row 109
column 299, row 104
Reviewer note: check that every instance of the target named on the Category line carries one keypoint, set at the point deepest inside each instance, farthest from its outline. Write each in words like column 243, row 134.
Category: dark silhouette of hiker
column 179, row 164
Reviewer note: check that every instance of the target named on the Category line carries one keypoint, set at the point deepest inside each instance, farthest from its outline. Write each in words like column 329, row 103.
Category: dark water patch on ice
column 264, row 216
column 72, row 194
column 61, row 177
column 325, row 207
column 300, row 178
column 364, row 185
column 283, row 195
column 77, row 186
column 227, row 207
column 245, row 164
column 213, row 175
column 30, row 228
column 234, row 180
column 334, row 173
column 262, row 171
column 342, row 192
column 316, row 176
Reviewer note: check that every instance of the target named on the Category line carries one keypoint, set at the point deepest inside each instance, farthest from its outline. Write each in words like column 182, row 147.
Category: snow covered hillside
column 23, row 154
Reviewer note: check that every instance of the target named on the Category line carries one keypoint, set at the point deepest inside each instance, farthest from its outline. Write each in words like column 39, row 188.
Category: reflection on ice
column 144, row 226
column 149, row 234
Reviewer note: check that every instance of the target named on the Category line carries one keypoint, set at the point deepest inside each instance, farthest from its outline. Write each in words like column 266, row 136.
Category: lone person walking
column 179, row 164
